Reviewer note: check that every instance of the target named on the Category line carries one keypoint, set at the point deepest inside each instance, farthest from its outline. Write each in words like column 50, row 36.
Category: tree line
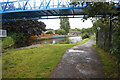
column 21, row 31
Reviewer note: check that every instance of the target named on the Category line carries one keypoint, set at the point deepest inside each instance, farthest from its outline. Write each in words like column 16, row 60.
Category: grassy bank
column 7, row 42
column 34, row 63
column 109, row 63
column 14, row 39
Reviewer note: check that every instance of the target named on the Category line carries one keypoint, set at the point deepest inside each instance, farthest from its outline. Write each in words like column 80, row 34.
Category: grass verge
column 34, row 63
column 7, row 42
column 109, row 65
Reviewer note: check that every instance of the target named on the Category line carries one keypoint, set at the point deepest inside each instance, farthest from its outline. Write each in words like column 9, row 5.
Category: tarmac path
column 81, row 61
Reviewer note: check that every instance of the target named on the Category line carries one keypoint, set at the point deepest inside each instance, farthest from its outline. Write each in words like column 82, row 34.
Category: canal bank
column 38, row 60
column 57, row 40
column 46, row 36
column 37, row 43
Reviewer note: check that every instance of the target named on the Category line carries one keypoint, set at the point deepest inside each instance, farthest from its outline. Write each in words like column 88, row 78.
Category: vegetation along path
column 80, row 61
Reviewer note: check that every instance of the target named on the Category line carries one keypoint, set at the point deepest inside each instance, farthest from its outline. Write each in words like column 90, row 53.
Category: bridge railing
column 16, row 5
column 30, row 5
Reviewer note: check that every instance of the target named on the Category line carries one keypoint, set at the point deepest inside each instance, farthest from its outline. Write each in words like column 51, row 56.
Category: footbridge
column 38, row 9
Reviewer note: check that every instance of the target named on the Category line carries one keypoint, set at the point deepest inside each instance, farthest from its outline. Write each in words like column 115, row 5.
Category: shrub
column 86, row 35
column 61, row 32
column 116, row 45
column 67, row 41
column 19, row 39
column 7, row 41
column 49, row 32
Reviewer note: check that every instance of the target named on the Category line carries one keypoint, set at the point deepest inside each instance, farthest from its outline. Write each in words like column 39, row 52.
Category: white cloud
column 74, row 23
column 52, row 23
column 78, row 23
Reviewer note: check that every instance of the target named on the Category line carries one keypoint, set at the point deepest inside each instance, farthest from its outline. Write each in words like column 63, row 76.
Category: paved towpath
column 81, row 61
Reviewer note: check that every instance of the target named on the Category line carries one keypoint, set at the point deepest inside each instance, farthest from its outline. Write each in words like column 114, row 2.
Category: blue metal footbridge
column 38, row 9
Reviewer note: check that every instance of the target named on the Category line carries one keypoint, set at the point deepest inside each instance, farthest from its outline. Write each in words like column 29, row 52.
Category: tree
column 86, row 35
column 76, row 29
column 49, row 32
column 29, row 28
column 98, row 8
column 21, row 31
column 110, row 29
column 64, row 24
column 61, row 32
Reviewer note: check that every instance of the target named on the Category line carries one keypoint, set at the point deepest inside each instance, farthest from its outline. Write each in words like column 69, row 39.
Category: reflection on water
column 75, row 39
column 58, row 40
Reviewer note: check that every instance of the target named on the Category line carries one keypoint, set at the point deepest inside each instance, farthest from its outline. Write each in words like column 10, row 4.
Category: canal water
column 58, row 40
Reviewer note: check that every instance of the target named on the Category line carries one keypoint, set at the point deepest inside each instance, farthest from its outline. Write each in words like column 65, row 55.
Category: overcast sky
column 74, row 23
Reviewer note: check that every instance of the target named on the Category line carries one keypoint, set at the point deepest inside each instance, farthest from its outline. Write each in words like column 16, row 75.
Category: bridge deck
column 29, row 9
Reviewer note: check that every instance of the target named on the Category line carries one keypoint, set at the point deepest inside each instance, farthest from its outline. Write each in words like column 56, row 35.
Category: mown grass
column 33, row 63
column 109, row 63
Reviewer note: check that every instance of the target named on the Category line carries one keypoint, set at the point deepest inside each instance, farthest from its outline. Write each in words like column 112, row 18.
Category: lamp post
column 98, row 28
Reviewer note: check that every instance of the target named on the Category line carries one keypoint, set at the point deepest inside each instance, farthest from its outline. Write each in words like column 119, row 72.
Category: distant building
column 74, row 32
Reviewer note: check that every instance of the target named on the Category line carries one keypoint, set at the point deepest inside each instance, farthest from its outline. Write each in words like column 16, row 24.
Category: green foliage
column 7, row 41
column 105, row 8
column 116, row 45
column 68, row 41
column 86, row 35
column 103, row 33
column 103, row 37
column 96, row 8
column 16, row 39
column 64, row 42
column 19, row 39
column 64, row 24
column 20, row 31
column 103, row 23
column 61, row 32
column 76, row 29
column 29, row 27
column 84, row 30
column 108, row 64
column 88, row 30
column 49, row 32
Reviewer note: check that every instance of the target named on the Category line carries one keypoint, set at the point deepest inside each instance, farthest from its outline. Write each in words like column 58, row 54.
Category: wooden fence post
column 110, row 31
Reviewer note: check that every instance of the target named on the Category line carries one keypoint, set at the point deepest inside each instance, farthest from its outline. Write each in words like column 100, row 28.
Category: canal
column 58, row 40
